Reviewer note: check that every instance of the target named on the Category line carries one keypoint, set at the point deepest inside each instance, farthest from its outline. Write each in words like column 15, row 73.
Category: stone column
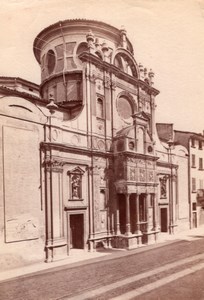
column 155, row 212
column 117, row 217
column 127, row 199
column 137, row 225
column 148, row 199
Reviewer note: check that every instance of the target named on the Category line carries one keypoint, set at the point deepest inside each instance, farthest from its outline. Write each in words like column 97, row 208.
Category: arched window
column 100, row 108
column 118, row 63
column 125, row 63
column 82, row 48
column 51, row 61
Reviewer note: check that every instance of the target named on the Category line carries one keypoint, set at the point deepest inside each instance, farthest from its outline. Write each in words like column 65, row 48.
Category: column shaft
column 127, row 198
column 117, row 217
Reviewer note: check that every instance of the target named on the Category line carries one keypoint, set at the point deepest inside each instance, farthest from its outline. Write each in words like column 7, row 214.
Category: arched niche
column 82, row 47
column 140, row 140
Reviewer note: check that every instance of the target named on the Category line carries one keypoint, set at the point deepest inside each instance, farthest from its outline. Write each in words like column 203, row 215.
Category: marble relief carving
column 100, row 126
column 163, row 187
column 96, row 202
column 101, row 145
column 75, row 139
column 151, row 176
column 132, row 174
column 142, row 175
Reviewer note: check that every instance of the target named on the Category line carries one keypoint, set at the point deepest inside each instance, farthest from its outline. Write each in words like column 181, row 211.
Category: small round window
column 51, row 60
column 124, row 108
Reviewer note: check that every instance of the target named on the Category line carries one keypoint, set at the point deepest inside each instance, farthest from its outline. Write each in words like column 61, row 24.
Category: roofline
column 67, row 21
column 16, row 93
column 21, row 80
column 191, row 134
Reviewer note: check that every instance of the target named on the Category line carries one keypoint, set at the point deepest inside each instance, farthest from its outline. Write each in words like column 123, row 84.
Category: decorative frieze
column 54, row 163
column 75, row 140
column 140, row 163
column 98, row 144
column 101, row 145
column 99, row 86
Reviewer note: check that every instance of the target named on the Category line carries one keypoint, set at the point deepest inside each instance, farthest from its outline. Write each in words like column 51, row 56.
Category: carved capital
column 107, row 82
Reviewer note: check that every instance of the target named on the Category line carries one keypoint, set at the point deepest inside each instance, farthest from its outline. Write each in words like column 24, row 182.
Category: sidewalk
column 80, row 257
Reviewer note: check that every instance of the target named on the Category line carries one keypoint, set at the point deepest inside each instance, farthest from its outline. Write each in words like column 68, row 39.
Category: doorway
column 164, row 219
column 77, row 231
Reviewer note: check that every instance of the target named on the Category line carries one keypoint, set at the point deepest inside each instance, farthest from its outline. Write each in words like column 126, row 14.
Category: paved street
column 159, row 273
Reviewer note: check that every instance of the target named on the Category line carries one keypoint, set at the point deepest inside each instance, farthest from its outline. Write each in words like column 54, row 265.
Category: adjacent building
column 194, row 143
column 194, row 188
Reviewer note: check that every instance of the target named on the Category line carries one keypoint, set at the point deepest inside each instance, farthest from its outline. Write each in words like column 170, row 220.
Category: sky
column 167, row 36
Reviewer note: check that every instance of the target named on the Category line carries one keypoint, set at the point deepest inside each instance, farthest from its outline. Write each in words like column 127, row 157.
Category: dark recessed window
column 193, row 161
column 193, row 185
column 100, row 110
column 51, row 60
column 150, row 149
column 200, row 164
column 200, row 145
column 131, row 145
column 192, row 143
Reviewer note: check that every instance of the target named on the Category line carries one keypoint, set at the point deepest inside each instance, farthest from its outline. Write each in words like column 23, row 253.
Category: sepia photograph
column 102, row 149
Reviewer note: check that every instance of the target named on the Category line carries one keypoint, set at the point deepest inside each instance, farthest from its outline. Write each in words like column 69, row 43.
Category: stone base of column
column 128, row 241
column 92, row 247
column 56, row 252
column 150, row 237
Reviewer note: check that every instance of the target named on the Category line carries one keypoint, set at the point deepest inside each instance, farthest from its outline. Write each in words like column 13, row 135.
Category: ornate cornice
column 88, row 57
column 76, row 150
column 166, row 164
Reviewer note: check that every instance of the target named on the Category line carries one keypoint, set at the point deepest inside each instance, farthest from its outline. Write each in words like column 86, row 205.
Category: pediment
column 76, row 170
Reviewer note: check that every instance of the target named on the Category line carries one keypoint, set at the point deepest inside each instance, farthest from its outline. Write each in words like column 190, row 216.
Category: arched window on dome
column 82, row 48
column 50, row 61
column 126, row 64
column 129, row 70
column 118, row 62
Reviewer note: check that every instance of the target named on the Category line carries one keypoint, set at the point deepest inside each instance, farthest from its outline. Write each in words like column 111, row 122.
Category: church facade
column 82, row 163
